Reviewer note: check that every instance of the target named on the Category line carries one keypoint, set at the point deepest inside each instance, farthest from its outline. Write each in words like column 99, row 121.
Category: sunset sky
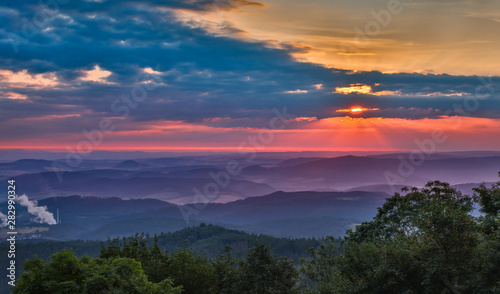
column 352, row 75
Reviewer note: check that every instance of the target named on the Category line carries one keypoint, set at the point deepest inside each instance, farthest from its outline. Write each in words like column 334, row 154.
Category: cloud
column 92, row 53
column 298, row 91
column 22, row 79
column 97, row 75
column 13, row 95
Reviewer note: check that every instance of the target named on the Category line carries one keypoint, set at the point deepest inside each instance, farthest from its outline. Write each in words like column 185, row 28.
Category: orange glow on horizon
column 188, row 149
column 349, row 132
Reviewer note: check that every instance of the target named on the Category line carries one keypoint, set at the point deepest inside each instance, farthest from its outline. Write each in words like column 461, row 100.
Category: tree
column 194, row 272
column 66, row 273
column 320, row 270
column 488, row 276
column 227, row 273
column 264, row 273
column 191, row 271
column 408, row 215
column 260, row 272
column 489, row 201
column 424, row 242
column 154, row 261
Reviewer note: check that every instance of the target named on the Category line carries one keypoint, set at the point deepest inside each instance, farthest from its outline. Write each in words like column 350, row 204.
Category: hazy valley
column 279, row 195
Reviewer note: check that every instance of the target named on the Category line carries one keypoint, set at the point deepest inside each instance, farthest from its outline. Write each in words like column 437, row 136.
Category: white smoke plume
column 3, row 220
column 42, row 215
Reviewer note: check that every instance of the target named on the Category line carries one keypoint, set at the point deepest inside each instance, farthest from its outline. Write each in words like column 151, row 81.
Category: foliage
column 427, row 241
column 489, row 201
column 425, row 210
column 260, row 272
column 193, row 272
column 319, row 270
column 212, row 240
column 66, row 273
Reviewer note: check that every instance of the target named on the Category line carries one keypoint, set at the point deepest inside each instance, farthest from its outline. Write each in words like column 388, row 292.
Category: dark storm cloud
column 204, row 75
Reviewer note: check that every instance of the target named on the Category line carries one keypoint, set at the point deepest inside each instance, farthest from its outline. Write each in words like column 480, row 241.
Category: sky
column 236, row 75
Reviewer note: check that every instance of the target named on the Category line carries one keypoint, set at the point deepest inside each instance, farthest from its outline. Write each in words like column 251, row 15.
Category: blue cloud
column 204, row 75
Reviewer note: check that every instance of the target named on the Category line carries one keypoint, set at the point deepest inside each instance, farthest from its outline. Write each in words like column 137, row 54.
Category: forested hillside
column 207, row 240
column 421, row 241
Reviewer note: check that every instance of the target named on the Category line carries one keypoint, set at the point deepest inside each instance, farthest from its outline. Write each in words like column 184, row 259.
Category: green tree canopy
column 426, row 241
column 489, row 201
column 66, row 273
column 260, row 272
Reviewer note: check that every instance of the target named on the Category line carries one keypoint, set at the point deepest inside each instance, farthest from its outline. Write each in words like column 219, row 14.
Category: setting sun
column 356, row 109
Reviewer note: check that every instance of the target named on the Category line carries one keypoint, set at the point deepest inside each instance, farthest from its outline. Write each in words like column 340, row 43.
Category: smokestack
column 42, row 215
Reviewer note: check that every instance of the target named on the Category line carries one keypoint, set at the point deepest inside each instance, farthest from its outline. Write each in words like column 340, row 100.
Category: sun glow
column 357, row 109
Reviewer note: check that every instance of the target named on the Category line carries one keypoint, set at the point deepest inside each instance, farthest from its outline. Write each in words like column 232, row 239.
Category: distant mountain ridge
column 129, row 184
column 348, row 172
column 315, row 214
column 174, row 179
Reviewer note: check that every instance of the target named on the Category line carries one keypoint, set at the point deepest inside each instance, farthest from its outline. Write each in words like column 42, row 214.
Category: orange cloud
column 363, row 89
column 306, row 118
column 49, row 117
column 23, row 79
column 13, row 95
column 97, row 75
